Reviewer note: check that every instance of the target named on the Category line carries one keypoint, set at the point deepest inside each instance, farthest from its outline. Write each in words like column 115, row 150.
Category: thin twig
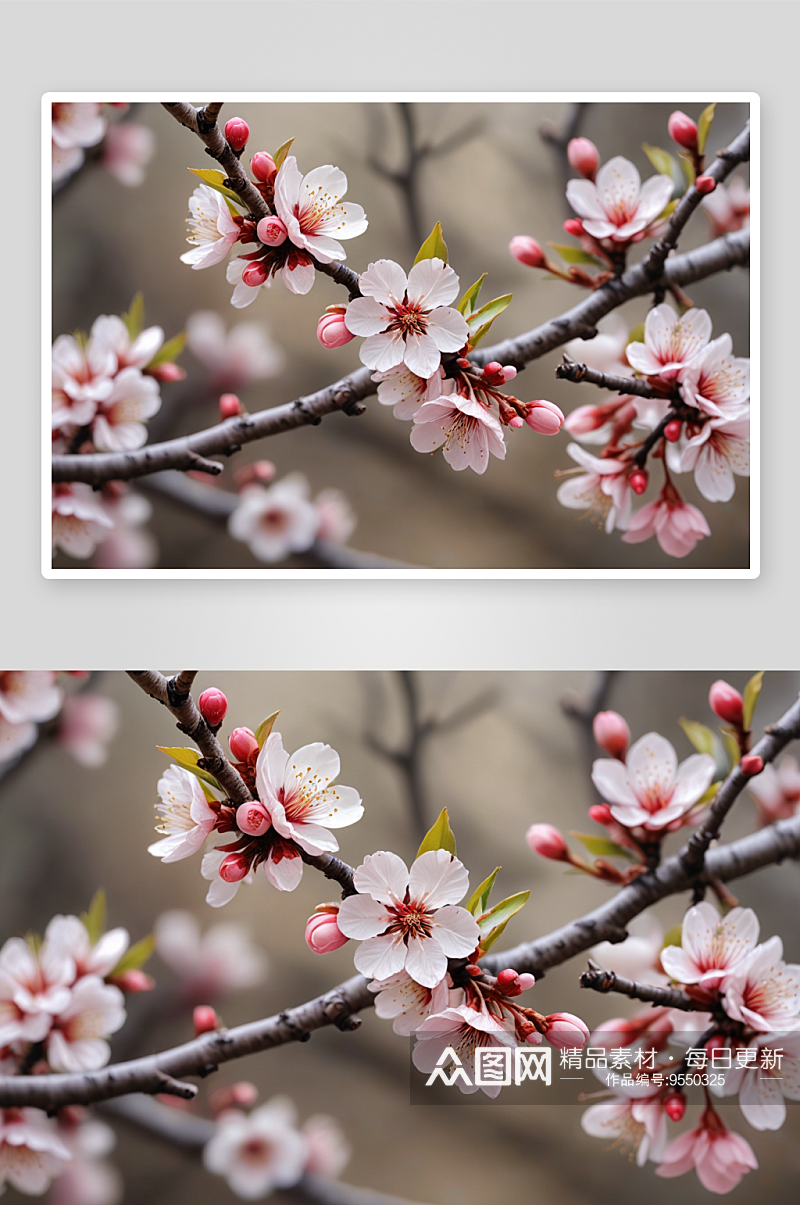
column 600, row 980
column 569, row 370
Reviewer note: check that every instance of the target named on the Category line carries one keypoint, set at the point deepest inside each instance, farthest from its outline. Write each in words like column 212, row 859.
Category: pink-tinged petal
column 383, row 352
column 427, row 436
column 287, row 187
column 119, row 437
column 630, row 816
column 221, row 893
column 651, row 764
column 653, row 198
column 658, row 328
column 366, row 316
column 642, row 359
column 345, row 221
column 642, row 525
column 421, row 355
column 426, row 961
column 324, row 247
column 713, row 476
column 298, row 279
column 314, row 839
column 582, row 196
column 618, row 183
column 271, row 768
column 612, row 781
column 761, row 1101
column 361, row 917
column 456, row 931
column 448, row 329
column 432, row 283
column 678, row 965
column 380, row 957
column 599, row 229
column 384, row 876
column 437, row 878
column 337, row 807
column 328, row 181
column 313, row 766
column 605, row 1120
column 693, row 779
column 385, row 281
column 285, row 873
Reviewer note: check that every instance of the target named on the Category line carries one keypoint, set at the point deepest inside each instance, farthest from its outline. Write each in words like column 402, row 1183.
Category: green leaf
column 601, row 847
column 575, row 255
column 439, row 836
column 479, row 900
column 136, row 956
column 480, row 334
column 188, row 758
column 710, row 795
column 636, row 334
column 134, row 319
column 731, row 747
column 704, row 125
column 170, row 351
column 662, row 161
column 673, row 936
column 701, row 737
column 468, row 302
column 687, row 167
column 95, row 919
column 501, row 913
column 434, row 246
column 265, row 727
column 488, row 312
column 488, row 941
column 283, row 151
column 751, row 693
column 214, row 179
column 668, row 211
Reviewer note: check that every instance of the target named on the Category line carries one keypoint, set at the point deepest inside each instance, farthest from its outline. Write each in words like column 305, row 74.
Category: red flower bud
column 133, row 981
column 272, row 231
column 229, row 406
column 672, row 431
column 583, row 156
column 726, row 703
column 600, row 813
column 507, row 977
column 547, row 841
column 262, row 165
column 675, row 1106
column 705, row 184
column 205, row 1020
column 254, row 274
column 234, row 868
column 611, row 733
column 638, row 480
column 752, row 764
column 683, row 130
column 243, row 744
column 527, row 251
column 213, row 706
column 573, row 226
column 565, row 1031
column 237, row 131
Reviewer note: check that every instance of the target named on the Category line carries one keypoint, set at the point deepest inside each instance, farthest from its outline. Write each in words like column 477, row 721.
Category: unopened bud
column 751, row 764
column 243, row 744
column 545, row 417
column 332, row 330
column 254, row 274
column 133, row 982
column 205, row 1020
column 473, row 971
column 234, row 868
column 272, row 231
column 584, row 419
column 638, row 480
column 565, row 1031
column 705, row 184
column 682, row 130
column 237, row 131
column 323, row 933
column 526, row 981
column 573, row 226
column 234, row 1096
column 166, row 372
column 672, row 431
column 583, row 156
column 611, row 733
column 229, row 406
column 675, row 1106
column 547, row 841
column 253, row 819
column 263, row 167
column 600, row 813
column 527, row 251
column 213, row 705
column 726, row 703
column 507, row 977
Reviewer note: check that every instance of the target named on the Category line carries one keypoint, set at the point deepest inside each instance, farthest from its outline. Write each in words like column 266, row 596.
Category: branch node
column 169, row 1086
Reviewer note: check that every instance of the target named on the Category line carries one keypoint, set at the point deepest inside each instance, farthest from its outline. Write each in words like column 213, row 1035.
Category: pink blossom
column 406, row 1003
column 212, row 228
column 336, row 519
column 129, row 545
column 87, row 723
column 711, row 946
column 463, row 427
column 728, row 207
column 68, row 937
column 721, row 449
column 75, row 125
column 81, row 378
column 258, row 1152
column 649, row 788
column 187, row 817
column 327, row 1150
column 716, row 381
column 545, row 417
column 611, row 733
column 776, row 790
column 31, row 1153
column 34, row 987
column 211, row 964
column 639, row 1125
column 565, row 1031
column 617, row 205
column 546, row 840
column 403, row 389
column 677, row 525
column 464, row 1030
column 719, row 1156
column 408, row 920
column 110, row 334
column 29, row 695
column 602, row 490
column 332, row 330
column 583, row 157
column 762, row 1085
column 276, row 521
column 237, row 357
column 311, row 209
column 88, row 1179
column 407, row 320
column 118, row 425
column 763, row 990
column 527, row 251
column 76, row 1041
column 80, row 521
column 128, row 149
column 670, row 343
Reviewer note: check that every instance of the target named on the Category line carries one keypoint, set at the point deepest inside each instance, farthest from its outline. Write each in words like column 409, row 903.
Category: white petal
column 366, row 316
column 384, row 876
column 432, row 283
column 380, row 957
column 426, row 961
column 456, row 931
column 361, row 917
column 421, row 354
column 384, row 280
column 448, row 329
column 438, row 878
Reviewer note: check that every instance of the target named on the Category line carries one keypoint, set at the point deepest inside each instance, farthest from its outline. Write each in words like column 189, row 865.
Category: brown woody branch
column 569, row 370
column 600, row 980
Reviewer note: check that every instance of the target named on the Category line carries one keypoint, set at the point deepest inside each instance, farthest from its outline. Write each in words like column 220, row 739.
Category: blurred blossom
column 128, row 149
column 31, row 1152
column 327, row 1149
column 259, row 1152
column 89, row 1179
column 237, row 357
column 210, row 964
column 130, row 545
column 87, row 723
column 335, row 515
column 75, row 126
column 275, row 521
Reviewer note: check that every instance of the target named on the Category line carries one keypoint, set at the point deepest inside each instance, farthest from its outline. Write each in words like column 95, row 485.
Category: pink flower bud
column 638, row 480
column 533, row 1038
column 234, row 868
column 545, row 417
column 516, row 421
column 213, row 706
column 237, row 131
column 682, row 130
column 672, row 431
column 547, row 841
column 583, row 157
column 565, row 1031
column 611, row 733
column 272, row 231
column 584, row 419
column 262, row 165
column 166, row 372
column 526, row 981
column 252, row 818
column 507, row 977
column 323, row 933
column 243, row 744
column 205, row 1020
column 705, row 184
column 527, row 251
column 675, row 1106
column 752, row 764
column 229, row 406
column 600, row 813
column 726, row 703
column 234, row 1096
column 254, row 274
column 332, row 331
column 133, row 981
column 573, row 226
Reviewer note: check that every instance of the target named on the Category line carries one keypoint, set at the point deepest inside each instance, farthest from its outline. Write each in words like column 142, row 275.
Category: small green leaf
column 439, row 836
column 134, row 319
column 731, row 747
column 701, row 737
column 704, row 125
column 136, row 956
column 95, row 919
column 501, row 913
column 170, row 351
column 636, row 334
column 673, row 936
column 479, row 900
column 480, row 334
column 283, row 151
column 488, row 941
column 470, row 299
column 434, row 246
column 710, row 795
column 490, row 311
column 668, row 210
column 751, row 693
column 188, row 758
column 214, row 179
column 662, row 161
column 265, row 727
column 575, row 255
column 687, row 167
column 601, row 847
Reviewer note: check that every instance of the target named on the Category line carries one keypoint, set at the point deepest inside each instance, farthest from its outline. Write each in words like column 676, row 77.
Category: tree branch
column 569, row 370
column 600, row 980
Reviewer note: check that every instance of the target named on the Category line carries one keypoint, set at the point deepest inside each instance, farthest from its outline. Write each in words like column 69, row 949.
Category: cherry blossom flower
column 80, row 521
column 128, row 545
column 602, row 490
column 408, row 920
column 237, row 357
column 764, row 991
column 403, row 389
column 187, row 816
column 639, row 956
column 29, row 695
column 211, row 964
column 636, row 1124
column 75, row 125
column 407, row 1004
column 719, row 1156
column 15, row 738
column 716, row 381
column 776, row 790
column 649, row 788
column 720, row 449
column 407, row 320
column 277, row 521
column 712, row 946
column 212, row 228
column 296, row 268
column 128, row 148
column 33, row 989
column 87, row 724
column 606, row 351
column 222, row 891
column 670, row 343
column 81, row 375
column 259, row 1152
column 463, row 427
column 69, row 937
column 677, row 525
column 89, row 1178
column 464, row 1029
column 31, row 1152
column 110, row 334
column 76, row 1041
column 617, row 205
column 336, row 519
column 728, row 207
column 763, row 1084
column 311, row 209
column 327, row 1150
column 118, row 425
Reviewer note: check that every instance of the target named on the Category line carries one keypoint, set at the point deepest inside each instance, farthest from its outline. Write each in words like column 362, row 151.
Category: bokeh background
column 491, row 178
column 502, row 755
